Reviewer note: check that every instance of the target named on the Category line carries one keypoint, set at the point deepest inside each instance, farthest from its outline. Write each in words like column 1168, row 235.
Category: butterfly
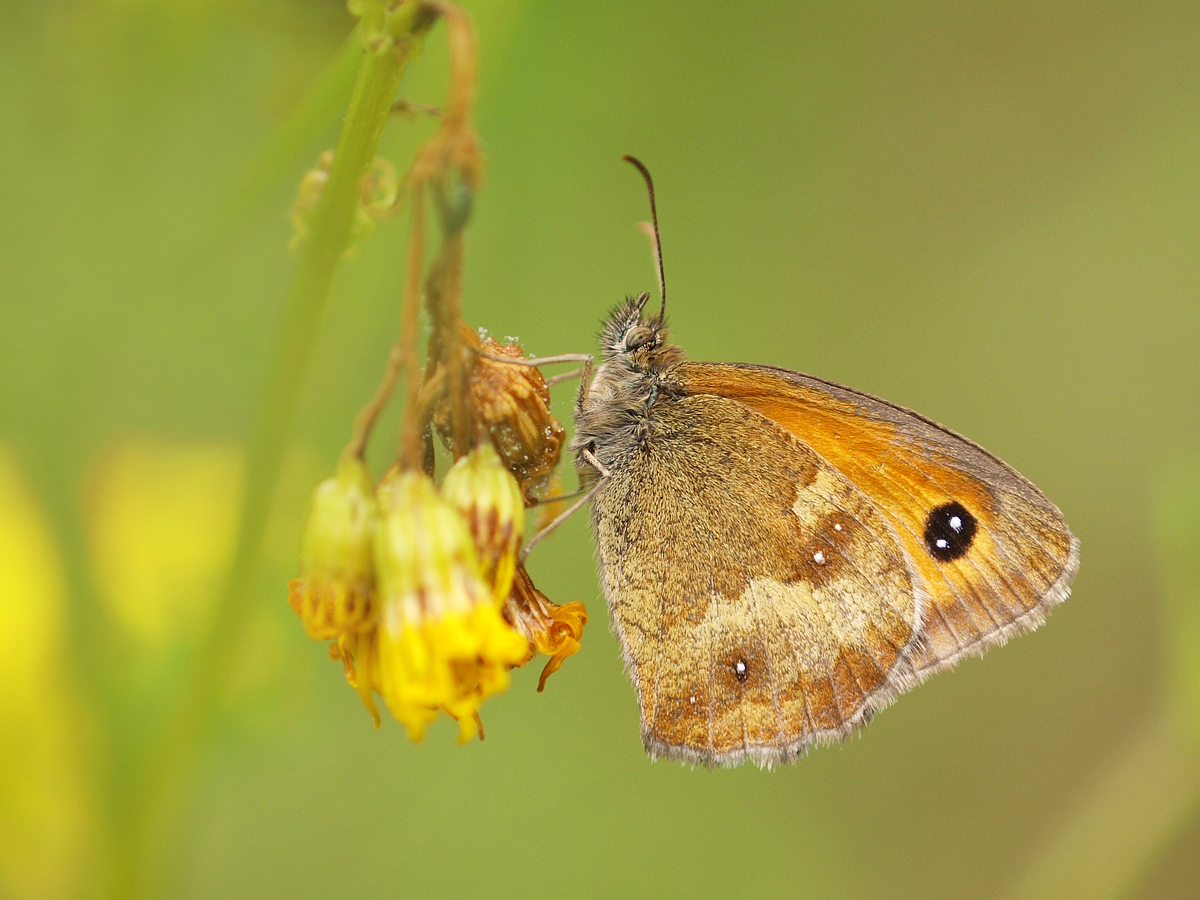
column 782, row 556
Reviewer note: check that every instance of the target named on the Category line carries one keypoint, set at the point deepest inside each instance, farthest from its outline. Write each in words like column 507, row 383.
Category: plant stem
column 170, row 756
column 410, row 426
column 364, row 423
column 443, row 294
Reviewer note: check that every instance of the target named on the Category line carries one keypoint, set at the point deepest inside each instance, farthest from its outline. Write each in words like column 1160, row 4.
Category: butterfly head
column 634, row 340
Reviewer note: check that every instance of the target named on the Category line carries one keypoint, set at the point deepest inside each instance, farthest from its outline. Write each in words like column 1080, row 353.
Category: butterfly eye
column 949, row 531
column 638, row 336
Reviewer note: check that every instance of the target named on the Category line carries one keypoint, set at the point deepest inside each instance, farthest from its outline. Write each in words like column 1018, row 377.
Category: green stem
column 169, row 757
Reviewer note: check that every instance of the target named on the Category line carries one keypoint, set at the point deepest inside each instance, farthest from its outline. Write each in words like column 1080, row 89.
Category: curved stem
column 1134, row 808
column 364, row 422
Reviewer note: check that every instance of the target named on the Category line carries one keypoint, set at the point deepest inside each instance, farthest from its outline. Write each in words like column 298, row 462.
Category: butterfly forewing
column 988, row 550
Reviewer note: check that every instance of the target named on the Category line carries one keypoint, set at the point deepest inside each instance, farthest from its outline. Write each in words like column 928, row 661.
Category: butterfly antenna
column 662, row 279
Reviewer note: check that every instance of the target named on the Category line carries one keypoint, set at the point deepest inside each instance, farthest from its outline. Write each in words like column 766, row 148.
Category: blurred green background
column 987, row 212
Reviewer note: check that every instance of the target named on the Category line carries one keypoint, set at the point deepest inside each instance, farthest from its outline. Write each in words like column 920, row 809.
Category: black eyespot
column 949, row 531
column 741, row 670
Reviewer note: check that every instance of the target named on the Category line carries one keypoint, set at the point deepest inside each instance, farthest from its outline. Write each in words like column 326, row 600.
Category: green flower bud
column 489, row 499
column 335, row 593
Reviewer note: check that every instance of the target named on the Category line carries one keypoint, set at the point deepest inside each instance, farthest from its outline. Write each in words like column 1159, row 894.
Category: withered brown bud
column 512, row 405
column 550, row 629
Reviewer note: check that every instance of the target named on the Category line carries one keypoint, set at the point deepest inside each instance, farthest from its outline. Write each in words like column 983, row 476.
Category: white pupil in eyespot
column 956, row 523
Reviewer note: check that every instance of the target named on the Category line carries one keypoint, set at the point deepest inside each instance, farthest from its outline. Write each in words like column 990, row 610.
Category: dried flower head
column 512, row 405
column 549, row 628
column 442, row 643
column 335, row 593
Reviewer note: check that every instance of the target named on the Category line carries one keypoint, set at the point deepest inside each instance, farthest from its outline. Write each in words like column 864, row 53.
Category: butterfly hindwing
column 761, row 600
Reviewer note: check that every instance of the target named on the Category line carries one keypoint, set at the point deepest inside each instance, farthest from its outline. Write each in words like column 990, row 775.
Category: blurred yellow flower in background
column 162, row 519
column 42, row 809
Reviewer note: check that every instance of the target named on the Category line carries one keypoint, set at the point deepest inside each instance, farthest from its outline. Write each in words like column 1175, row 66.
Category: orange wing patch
column 926, row 482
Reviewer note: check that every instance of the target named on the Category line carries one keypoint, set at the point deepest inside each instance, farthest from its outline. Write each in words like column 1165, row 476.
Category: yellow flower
column 489, row 499
column 44, row 791
column 442, row 643
column 335, row 593
column 549, row 628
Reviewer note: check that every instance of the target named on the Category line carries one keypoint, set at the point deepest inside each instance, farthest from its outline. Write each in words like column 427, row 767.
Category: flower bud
column 335, row 593
column 377, row 197
column 442, row 642
column 549, row 628
column 488, row 498
column 308, row 195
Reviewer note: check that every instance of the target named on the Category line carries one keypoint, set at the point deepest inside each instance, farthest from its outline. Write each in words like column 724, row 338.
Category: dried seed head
column 511, row 404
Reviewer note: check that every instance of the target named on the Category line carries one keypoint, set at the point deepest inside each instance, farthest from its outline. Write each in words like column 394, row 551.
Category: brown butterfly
column 783, row 556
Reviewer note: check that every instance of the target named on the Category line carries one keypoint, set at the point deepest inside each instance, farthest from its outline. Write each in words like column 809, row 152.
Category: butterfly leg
column 534, row 360
column 532, row 502
column 585, row 358
column 565, row 376
column 590, row 458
